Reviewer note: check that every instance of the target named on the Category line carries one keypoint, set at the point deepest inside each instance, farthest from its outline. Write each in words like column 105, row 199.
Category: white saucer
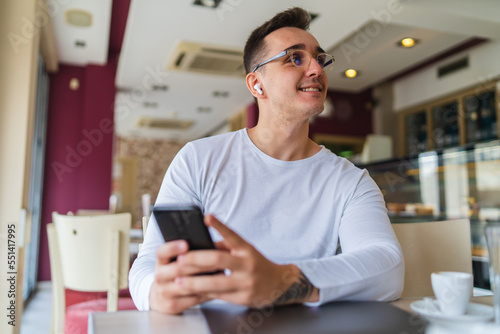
column 473, row 313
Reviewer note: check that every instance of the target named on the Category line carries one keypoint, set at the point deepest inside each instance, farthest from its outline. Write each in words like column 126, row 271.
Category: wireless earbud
column 257, row 88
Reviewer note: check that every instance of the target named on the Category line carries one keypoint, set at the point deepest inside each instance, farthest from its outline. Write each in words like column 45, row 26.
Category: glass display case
column 465, row 117
column 416, row 132
column 480, row 117
column 445, row 125
column 460, row 182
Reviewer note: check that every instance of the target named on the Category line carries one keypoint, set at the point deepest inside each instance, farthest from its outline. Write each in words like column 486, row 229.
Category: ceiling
column 361, row 34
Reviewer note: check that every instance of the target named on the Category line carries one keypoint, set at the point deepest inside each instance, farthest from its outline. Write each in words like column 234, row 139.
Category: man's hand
column 254, row 280
column 165, row 295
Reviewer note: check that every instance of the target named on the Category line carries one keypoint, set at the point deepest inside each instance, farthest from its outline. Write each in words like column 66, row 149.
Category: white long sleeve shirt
column 291, row 211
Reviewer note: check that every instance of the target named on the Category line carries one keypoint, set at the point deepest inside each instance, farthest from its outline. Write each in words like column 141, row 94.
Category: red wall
column 252, row 115
column 352, row 115
column 79, row 145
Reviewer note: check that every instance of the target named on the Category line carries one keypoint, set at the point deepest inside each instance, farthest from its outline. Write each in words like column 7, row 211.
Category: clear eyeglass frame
column 325, row 60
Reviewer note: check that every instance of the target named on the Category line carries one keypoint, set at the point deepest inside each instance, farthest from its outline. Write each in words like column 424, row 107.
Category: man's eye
column 296, row 59
column 321, row 60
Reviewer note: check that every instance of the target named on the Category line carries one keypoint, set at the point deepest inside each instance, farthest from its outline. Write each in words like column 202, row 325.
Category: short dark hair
column 254, row 48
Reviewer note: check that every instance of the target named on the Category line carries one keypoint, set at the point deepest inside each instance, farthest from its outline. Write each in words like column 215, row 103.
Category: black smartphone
column 186, row 223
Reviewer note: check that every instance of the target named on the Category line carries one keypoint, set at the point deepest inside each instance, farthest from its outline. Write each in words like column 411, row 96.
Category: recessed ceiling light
column 220, row 93
column 207, row 3
column 160, row 87
column 148, row 104
column 80, row 43
column 74, row 84
column 313, row 16
column 204, row 109
column 78, row 17
column 408, row 42
column 351, row 73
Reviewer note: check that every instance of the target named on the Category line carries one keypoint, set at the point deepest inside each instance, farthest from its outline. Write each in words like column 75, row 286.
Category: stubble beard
column 297, row 112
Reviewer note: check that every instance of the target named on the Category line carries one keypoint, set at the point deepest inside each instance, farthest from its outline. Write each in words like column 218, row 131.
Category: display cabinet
column 445, row 131
column 415, row 125
column 481, row 122
column 469, row 116
column 460, row 182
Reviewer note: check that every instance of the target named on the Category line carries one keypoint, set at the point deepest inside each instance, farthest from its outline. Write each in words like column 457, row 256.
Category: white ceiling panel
column 82, row 45
column 155, row 27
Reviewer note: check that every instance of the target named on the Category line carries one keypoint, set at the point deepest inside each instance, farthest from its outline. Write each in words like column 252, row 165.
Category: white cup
column 493, row 240
column 452, row 291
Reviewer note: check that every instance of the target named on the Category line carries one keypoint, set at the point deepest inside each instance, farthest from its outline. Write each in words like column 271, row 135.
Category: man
column 285, row 201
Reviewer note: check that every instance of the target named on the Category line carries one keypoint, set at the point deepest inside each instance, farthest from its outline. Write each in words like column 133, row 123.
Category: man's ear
column 254, row 85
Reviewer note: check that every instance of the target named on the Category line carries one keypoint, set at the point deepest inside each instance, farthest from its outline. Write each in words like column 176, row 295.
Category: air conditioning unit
column 196, row 57
column 164, row 123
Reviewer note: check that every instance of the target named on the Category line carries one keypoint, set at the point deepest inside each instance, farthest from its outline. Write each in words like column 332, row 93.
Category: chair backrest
column 88, row 253
column 91, row 248
column 91, row 212
column 145, row 221
column 433, row 246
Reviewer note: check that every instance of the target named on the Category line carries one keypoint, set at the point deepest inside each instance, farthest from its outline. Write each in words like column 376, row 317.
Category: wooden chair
column 88, row 253
column 433, row 246
column 145, row 221
column 92, row 212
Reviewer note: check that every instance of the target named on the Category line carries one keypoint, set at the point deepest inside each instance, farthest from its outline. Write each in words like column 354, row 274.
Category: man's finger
column 190, row 270
column 166, row 273
column 178, row 305
column 231, row 238
column 221, row 245
column 203, row 284
column 207, row 260
column 169, row 250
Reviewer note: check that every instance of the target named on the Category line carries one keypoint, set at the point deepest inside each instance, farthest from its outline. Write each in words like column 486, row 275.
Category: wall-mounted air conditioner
column 202, row 58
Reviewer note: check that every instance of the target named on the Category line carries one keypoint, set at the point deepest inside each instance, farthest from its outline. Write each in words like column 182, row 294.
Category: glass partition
column 480, row 117
column 460, row 182
column 416, row 132
column 445, row 125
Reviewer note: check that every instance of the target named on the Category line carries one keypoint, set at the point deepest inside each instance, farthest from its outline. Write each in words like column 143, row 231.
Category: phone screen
column 186, row 223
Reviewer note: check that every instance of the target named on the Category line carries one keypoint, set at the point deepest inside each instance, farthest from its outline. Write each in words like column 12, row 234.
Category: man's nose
column 314, row 68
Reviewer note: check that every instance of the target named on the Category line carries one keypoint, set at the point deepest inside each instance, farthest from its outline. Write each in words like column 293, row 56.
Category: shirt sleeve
column 177, row 189
column 371, row 265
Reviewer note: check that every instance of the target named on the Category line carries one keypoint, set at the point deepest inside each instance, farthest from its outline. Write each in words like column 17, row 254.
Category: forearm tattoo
column 298, row 291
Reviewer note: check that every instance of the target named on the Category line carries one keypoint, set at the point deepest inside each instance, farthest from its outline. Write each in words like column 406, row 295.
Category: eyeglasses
column 302, row 58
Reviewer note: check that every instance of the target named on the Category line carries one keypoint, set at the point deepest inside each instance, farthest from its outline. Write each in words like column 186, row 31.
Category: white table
column 219, row 317
column 404, row 303
column 122, row 322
